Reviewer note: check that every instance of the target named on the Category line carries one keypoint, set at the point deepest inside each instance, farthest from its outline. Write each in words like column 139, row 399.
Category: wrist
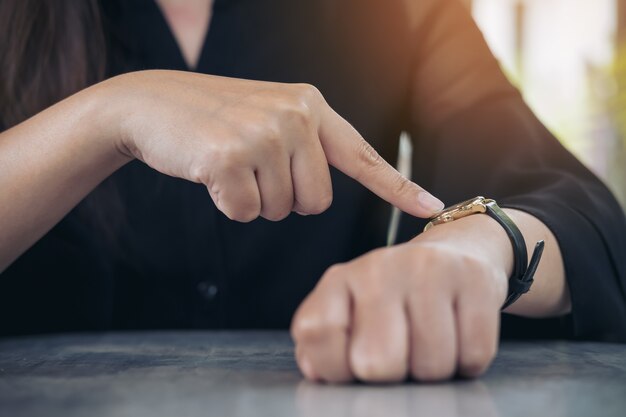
column 111, row 110
column 477, row 233
column 93, row 121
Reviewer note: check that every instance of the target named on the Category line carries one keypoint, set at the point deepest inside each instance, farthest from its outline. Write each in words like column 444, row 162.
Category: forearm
column 549, row 295
column 49, row 163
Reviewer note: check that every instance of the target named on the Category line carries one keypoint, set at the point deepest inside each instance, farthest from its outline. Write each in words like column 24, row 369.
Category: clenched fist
column 427, row 309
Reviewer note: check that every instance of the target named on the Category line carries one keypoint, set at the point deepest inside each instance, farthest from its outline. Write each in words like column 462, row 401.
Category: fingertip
column 429, row 203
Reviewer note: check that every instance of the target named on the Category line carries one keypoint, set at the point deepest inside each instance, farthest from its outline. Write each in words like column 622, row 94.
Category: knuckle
column 272, row 137
column 422, row 264
column 333, row 273
column 276, row 215
column 241, row 216
column 401, row 184
column 299, row 111
column 371, row 289
column 375, row 282
column 200, row 172
column 476, row 359
column 433, row 370
column 230, row 156
column 314, row 326
column 368, row 156
column 424, row 256
column 367, row 368
column 474, row 271
column 308, row 93
column 373, row 368
column 321, row 204
column 263, row 128
column 304, row 327
column 206, row 160
column 470, row 263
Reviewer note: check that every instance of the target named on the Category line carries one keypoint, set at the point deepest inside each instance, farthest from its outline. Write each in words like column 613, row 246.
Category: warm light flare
column 561, row 53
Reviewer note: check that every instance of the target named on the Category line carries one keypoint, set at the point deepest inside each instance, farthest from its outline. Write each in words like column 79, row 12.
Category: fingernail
column 430, row 202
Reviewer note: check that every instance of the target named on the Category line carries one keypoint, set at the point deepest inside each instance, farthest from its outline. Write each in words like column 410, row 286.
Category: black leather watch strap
column 523, row 272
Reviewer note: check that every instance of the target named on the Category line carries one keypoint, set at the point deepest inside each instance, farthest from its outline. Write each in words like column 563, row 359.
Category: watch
column 523, row 271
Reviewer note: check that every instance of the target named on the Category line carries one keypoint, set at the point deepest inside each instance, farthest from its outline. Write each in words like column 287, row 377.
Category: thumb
column 347, row 151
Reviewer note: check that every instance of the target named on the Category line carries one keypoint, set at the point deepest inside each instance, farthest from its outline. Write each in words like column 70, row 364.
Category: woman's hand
column 426, row 309
column 261, row 148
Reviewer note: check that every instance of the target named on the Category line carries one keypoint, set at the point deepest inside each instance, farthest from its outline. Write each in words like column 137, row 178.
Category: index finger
column 347, row 151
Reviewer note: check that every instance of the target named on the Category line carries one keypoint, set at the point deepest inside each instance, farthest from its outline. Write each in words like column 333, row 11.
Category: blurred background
column 568, row 57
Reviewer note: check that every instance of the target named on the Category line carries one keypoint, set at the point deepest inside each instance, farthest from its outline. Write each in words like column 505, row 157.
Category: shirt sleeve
column 474, row 135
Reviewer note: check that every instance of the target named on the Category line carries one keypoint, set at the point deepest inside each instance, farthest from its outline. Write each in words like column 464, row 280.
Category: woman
column 146, row 250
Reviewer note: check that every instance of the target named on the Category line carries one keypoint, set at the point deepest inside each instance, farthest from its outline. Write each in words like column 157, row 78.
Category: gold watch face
column 457, row 211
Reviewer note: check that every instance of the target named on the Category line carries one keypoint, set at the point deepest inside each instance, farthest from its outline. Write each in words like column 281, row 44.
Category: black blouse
column 162, row 256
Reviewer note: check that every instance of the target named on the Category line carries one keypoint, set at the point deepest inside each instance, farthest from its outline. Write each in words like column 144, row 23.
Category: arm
column 261, row 149
column 549, row 295
column 49, row 163
column 489, row 143
column 430, row 308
